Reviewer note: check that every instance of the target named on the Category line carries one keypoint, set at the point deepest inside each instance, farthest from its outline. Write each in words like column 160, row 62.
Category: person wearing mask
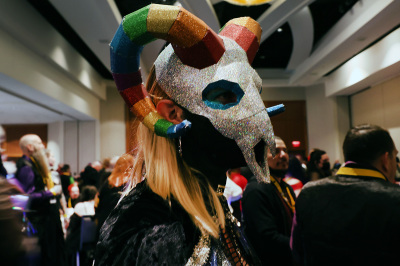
column 352, row 218
column 318, row 166
column 268, row 211
column 201, row 114
column 35, row 178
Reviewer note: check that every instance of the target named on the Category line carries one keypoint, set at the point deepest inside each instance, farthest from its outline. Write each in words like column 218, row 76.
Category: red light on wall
column 295, row 143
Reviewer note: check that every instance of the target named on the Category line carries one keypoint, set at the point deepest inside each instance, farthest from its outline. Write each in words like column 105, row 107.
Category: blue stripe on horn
column 125, row 55
column 179, row 129
column 274, row 110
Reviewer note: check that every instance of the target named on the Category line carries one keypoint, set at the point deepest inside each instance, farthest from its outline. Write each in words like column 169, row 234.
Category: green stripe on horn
column 135, row 26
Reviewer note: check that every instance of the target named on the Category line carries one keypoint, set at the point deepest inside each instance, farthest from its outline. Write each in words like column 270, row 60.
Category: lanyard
column 360, row 172
column 290, row 201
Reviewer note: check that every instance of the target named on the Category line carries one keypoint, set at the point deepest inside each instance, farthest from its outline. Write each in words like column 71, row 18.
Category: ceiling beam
column 302, row 28
column 279, row 12
column 203, row 10
column 367, row 21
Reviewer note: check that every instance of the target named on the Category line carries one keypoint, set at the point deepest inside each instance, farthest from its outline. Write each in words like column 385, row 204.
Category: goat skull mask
column 208, row 74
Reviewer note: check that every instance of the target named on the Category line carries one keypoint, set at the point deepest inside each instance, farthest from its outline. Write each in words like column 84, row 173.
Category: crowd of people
column 42, row 207
column 210, row 183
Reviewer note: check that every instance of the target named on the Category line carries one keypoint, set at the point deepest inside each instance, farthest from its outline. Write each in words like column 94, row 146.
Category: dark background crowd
column 44, row 207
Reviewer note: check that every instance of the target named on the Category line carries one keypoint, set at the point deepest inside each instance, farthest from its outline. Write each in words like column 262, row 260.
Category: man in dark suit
column 352, row 218
column 268, row 211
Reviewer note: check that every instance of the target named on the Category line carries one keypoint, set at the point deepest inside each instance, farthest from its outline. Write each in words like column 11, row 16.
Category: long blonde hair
column 170, row 177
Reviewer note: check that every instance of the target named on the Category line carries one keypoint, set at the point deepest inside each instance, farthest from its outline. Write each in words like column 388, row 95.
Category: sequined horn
column 193, row 42
column 246, row 32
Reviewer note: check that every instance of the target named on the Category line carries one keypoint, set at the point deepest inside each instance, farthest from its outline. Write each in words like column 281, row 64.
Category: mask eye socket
column 222, row 94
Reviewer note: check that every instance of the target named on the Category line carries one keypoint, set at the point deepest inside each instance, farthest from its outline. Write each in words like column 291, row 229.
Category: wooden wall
column 15, row 132
column 291, row 125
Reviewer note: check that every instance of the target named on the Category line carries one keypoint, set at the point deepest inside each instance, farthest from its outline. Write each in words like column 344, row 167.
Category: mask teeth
column 260, row 172
column 271, row 145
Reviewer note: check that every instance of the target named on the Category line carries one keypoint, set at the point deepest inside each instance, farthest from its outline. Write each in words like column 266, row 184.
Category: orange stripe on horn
column 187, row 29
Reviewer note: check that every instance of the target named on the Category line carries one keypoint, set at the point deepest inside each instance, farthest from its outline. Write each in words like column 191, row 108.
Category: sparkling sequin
column 247, row 122
column 135, row 26
column 245, row 38
column 151, row 119
column 187, row 29
column 161, row 127
column 143, row 107
column 160, row 19
column 201, row 251
column 249, row 24
column 204, row 53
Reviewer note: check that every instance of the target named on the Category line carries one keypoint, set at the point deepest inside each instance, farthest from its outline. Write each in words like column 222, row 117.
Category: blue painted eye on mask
column 222, row 94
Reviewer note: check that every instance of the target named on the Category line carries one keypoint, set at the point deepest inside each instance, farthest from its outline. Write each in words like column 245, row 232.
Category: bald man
column 35, row 177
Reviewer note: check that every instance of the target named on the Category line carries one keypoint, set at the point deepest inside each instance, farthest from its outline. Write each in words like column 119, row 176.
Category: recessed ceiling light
column 248, row 2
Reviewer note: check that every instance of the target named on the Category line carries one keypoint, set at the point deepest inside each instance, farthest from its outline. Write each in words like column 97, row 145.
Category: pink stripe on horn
column 242, row 36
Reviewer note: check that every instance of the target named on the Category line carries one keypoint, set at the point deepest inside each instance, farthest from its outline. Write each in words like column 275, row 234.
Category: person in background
column 352, row 218
column 66, row 179
column 105, row 171
column 111, row 191
column 295, row 175
column 268, row 211
column 397, row 170
column 10, row 226
column 318, row 166
column 73, row 192
column 241, row 181
column 336, row 167
column 35, row 178
column 90, row 176
column 85, row 207
column 3, row 171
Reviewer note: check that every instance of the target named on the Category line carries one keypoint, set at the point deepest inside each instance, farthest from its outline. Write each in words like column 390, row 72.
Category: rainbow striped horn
column 246, row 32
column 193, row 42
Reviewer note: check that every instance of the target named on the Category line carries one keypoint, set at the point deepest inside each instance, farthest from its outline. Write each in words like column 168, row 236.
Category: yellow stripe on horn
column 160, row 19
column 151, row 119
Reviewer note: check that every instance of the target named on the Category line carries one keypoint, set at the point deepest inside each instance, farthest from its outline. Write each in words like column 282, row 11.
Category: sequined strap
column 201, row 251
column 230, row 238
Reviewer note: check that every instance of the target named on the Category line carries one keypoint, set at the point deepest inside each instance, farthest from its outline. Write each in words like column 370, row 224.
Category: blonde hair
column 170, row 177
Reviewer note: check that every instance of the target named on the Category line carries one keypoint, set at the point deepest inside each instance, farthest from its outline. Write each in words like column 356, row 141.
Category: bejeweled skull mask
column 208, row 74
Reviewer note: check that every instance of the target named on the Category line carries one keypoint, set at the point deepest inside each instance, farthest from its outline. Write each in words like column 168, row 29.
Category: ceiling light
column 248, row 2
column 279, row 30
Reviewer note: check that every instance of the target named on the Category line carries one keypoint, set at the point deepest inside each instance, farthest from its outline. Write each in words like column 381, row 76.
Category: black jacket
column 349, row 219
column 145, row 229
column 268, row 222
